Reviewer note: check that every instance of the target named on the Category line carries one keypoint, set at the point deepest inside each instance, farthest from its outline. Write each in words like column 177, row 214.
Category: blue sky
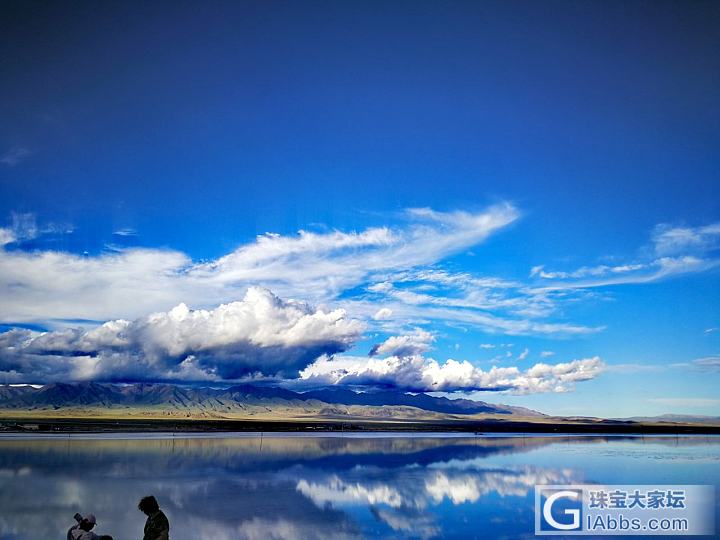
column 497, row 176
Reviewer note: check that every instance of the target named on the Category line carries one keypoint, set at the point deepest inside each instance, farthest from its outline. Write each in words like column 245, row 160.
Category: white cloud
column 416, row 343
column 383, row 314
column 546, row 354
column 45, row 285
column 586, row 271
column 420, row 374
column 487, row 346
column 325, row 264
column 23, row 227
column 467, row 302
column 709, row 363
column 657, row 270
column 670, row 240
column 676, row 250
column 261, row 333
column 127, row 231
column 414, row 313
column 523, row 355
column 7, row 236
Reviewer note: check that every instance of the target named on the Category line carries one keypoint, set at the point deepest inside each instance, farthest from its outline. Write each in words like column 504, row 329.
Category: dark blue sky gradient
column 202, row 124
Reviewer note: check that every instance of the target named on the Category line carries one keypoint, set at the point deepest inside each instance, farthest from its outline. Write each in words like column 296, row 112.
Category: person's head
column 148, row 505
column 87, row 522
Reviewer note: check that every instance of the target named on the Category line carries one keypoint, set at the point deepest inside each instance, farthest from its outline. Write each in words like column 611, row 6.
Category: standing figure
column 157, row 526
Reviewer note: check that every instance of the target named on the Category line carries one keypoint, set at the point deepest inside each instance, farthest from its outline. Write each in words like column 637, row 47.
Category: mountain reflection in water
column 290, row 487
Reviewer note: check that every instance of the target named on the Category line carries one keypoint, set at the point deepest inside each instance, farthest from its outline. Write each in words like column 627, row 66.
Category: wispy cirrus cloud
column 674, row 251
column 708, row 363
column 493, row 304
column 329, row 263
column 125, row 231
column 52, row 285
column 24, row 228
column 669, row 240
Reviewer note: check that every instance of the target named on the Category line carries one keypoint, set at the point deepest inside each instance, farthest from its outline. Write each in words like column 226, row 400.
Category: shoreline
column 50, row 426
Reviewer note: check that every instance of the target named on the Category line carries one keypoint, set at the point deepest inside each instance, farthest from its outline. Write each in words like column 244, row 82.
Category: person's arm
column 70, row 530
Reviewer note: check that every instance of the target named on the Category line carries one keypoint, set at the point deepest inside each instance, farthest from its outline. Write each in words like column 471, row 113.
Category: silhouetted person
column 83, row 529
column 157, row 526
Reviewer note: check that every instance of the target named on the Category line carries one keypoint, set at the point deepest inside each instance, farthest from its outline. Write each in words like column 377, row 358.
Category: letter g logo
column 574, row 512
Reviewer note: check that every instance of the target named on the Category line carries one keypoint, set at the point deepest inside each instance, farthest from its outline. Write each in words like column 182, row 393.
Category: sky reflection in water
column 323, row 487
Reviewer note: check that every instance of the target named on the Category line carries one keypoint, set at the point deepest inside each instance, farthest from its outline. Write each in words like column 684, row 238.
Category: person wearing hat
column 83, row 529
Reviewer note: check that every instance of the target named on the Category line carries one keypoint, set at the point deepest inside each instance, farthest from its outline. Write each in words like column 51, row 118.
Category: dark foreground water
column 305, row 487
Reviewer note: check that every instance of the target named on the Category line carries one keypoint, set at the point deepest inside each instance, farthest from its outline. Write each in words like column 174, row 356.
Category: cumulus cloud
column 416, row 343
column 260, row 334
column 419, row 374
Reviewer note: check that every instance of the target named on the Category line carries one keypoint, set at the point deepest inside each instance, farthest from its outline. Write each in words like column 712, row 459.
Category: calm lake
column 304, row 487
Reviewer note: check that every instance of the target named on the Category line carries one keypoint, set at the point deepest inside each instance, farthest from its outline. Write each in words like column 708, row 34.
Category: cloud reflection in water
column 280, row 487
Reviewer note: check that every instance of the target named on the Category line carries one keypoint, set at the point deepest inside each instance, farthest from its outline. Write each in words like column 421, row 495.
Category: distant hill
column 678, row 419
column 238, row 400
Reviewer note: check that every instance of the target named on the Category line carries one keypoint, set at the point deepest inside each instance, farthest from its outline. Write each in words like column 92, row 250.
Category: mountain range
column 237, row 401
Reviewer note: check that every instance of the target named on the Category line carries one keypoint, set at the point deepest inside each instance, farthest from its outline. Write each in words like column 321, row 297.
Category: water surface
column 304, row 487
